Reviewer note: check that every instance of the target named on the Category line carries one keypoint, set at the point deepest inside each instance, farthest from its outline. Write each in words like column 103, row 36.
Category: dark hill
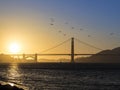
column 108, row 58
column 116, row 50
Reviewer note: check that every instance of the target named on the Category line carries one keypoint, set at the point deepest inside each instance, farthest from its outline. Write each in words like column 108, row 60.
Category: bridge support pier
column 36, row 57
column 24, row 57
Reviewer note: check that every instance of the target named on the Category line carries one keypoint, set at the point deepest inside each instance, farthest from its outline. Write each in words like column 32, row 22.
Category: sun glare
column 11, row 84
column 14, row 48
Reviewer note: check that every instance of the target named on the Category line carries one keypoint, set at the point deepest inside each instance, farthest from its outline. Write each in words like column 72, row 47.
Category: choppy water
column 45, row 79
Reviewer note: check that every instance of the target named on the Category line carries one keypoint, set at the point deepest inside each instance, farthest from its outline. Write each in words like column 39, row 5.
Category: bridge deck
column 61, row 54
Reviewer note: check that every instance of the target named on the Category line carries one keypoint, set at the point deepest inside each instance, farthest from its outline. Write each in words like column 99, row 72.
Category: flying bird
column 64, row 34
column 60, row 31
column 52, row 21
column 51, row 24
column 89, row 35
column 73, row 27
column 81, row 29
column 66, row 23
column 111, row 33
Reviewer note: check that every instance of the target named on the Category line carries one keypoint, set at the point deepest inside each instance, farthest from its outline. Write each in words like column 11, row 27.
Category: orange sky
column 31, row 28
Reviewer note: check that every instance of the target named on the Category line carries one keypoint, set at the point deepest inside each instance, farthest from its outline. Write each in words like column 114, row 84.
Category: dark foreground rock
column 9, row 87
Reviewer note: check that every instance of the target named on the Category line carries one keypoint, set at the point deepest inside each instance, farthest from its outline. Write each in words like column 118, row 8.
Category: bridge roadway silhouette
column 72, row 54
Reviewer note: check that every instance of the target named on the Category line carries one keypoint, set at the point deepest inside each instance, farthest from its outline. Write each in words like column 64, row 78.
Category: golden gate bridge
column 72, row 54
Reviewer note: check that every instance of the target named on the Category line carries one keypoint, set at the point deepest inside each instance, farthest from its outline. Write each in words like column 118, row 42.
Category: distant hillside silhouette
column 102, row 58
column 5, row 58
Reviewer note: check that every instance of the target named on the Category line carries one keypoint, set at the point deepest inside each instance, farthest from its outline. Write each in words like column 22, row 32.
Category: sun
column 14, row 48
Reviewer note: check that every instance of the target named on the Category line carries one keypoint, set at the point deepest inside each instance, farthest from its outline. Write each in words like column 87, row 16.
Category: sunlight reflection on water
column 46, row 79
column 14, row 76
column 13, row 72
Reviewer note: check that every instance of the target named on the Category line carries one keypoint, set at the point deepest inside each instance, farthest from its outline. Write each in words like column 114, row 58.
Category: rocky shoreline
column 9, row 87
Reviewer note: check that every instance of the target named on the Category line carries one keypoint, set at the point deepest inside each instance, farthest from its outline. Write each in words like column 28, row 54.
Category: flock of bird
column 52, row 23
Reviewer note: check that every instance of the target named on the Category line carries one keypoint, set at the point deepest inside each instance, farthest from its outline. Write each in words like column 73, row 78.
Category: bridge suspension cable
column 55, row 46
column 88, row 44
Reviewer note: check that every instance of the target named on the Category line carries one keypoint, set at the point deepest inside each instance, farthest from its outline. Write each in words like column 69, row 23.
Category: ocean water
column 46, row 79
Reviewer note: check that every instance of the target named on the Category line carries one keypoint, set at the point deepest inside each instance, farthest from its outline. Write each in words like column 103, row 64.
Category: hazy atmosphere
column 32, row 26
column 59, row 44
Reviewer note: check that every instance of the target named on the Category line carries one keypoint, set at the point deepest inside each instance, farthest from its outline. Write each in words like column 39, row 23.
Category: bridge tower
column 24, row 57
column 72, row 50
column 36, row 58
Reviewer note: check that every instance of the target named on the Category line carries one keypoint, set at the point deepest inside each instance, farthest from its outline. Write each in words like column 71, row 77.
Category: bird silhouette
column 66, row 23
column 89, row 35
column 111, row 33
column 81, row 29
column 64, row 34
column 59, row 31
column 73, row 27
column 51, row 24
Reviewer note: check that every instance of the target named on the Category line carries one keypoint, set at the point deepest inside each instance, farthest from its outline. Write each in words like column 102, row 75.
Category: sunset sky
column 36, row 25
